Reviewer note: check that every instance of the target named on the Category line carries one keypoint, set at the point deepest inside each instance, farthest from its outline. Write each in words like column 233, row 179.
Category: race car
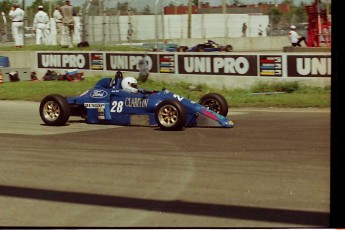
column 208, row 46
column 118, row 101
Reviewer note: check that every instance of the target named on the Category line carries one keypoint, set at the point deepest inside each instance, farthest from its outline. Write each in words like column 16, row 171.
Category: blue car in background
column 208, row 46
column 108, row 103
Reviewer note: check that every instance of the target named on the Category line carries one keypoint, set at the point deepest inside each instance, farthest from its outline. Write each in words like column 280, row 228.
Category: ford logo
column 99, row 93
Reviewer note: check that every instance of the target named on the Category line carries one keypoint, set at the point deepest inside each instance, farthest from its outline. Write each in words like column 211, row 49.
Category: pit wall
column 217, row 69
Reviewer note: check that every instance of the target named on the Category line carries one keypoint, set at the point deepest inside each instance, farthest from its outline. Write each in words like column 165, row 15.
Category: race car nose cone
column 231, row 123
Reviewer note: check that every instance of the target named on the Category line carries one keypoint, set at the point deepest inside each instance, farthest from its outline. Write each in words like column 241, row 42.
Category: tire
column 171, row 115
column 228, row 48
column 215, row 102
column 182, row 49
column 54, row 110
column 200, row 48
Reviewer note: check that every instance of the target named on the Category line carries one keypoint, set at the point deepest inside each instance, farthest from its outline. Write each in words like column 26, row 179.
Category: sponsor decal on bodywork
column 98, row 93
column 210, row 114
column 136, row 102
column 94, row 105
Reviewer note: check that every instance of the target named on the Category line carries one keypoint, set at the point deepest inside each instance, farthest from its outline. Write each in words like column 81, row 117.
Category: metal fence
column 102, row 22
column 114, row 29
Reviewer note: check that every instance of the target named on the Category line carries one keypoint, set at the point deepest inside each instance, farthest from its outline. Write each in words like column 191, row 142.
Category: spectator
column 41, row 26
column 17, row 16
column 130, row 33
column 58, row 22
column 260, row 31
column 68, row 12
column 306, row 31
column 295, row 38
column 143, row 69
column 268, row 30
column 244, row 30
column 2, row 35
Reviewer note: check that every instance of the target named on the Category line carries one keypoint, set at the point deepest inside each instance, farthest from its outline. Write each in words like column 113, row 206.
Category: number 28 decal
column 116, row 107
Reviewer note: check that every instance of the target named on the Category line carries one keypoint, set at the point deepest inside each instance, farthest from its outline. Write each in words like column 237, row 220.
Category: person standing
column 17, row 16
column 295, row 38
column 260, row 31
column 58, row 23
column 130, row 33
column 42, row 26
column 67, row 13
column 244, row 29
column 268, row 30
column 143, row 69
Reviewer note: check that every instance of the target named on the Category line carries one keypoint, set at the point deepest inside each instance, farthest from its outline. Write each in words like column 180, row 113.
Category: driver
column 130, row 84
column 211, row 43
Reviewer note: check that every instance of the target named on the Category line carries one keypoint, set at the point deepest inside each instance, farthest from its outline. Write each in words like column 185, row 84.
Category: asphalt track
column 271, row 170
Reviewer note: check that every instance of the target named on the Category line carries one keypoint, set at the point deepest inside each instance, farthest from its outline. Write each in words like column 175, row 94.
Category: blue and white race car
column 118, row 101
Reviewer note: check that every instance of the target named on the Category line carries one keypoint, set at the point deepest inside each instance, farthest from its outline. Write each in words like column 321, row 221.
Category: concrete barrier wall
column 216, row 69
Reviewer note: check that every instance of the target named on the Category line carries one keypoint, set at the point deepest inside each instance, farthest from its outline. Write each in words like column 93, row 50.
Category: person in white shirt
column 17, row 16
column 58, row 21
column 42, row 26
column 294, row 38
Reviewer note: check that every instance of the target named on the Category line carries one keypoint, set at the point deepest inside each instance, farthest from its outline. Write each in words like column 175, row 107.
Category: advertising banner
column 166, row 63
column 61, row 60
column 235, row 65
column 270, row 65
column 309, row 66
column 130, row 62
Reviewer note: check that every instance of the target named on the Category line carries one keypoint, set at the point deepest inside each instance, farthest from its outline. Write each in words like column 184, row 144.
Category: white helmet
column 293, row 27
column 130, row 84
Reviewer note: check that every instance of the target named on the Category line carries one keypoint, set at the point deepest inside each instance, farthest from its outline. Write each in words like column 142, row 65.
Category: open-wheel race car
column 118, row 101
column 208, row 46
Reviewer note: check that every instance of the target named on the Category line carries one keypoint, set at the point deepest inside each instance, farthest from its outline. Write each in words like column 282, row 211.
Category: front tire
column 171, row 115
column 215, row 102
column 54, row 110
column 182, row 49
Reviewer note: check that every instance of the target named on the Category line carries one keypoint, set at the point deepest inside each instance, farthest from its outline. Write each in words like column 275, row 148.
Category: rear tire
column 54, row 110
column 228, row 48
column 171, row 115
